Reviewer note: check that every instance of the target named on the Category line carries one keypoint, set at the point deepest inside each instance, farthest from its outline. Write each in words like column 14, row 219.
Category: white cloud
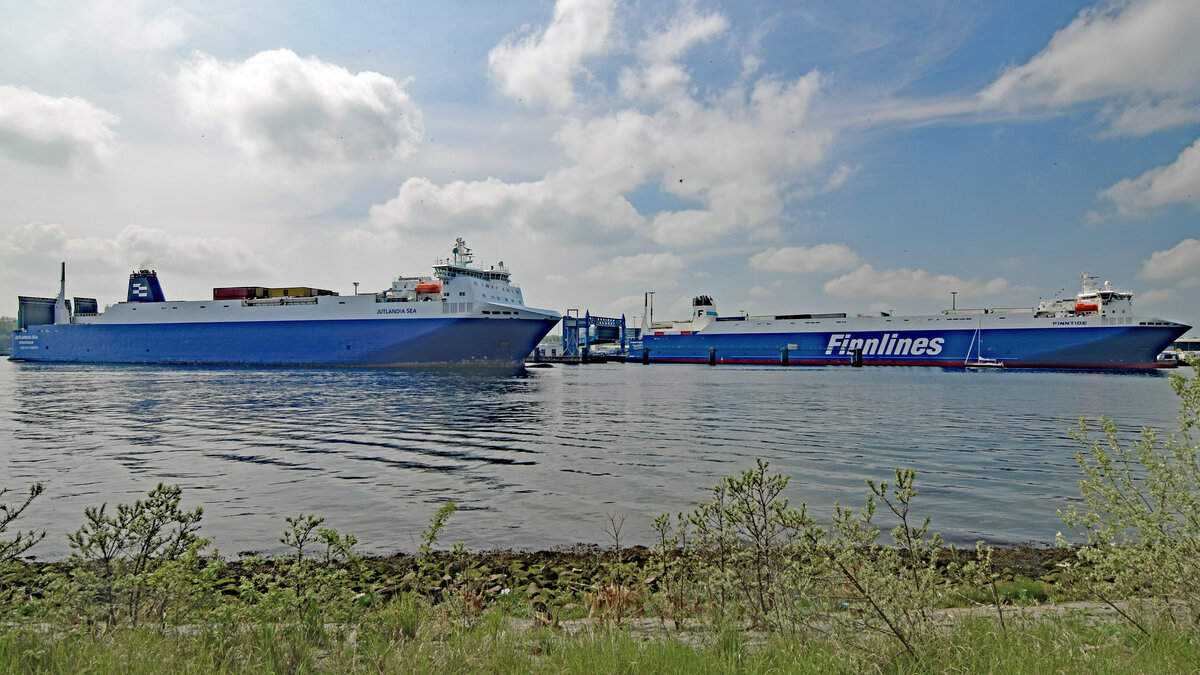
column 1139, row 119
column 105, row 30
column 684, row 31
column 1137, row 58
column 134, row 25
column 641, row 267
column 750, row 64
column 32, row 238
column 281, row 111
column 659, row 77
column 733, row 155
column 1174, row 183
column 724, row 159
column 185, row 254
column 681, row 307
column 692, row 226
column 55, row 131
column 1143, row 52
column 1178, row 261
column 759, row 292
column 1155, row 296
column 867, row 282
column 631, row 306
column 839, row 177
column 541, row 67
column 800, row 259
column 38, row 244
column 472, row 206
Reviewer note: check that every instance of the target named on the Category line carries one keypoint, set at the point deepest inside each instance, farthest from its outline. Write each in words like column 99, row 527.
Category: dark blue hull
column 351, row 342
column 1106, row 347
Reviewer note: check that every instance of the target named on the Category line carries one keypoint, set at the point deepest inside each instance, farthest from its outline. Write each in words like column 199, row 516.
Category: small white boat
column 980, row 361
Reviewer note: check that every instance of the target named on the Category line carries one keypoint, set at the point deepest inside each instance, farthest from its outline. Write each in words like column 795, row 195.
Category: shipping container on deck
column 297, row 292
column 86, row 306
column 34, row 311
column 239, row 292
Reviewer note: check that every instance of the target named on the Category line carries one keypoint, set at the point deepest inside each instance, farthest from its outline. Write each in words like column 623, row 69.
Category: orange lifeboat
column 1087, row 307
column 429, row 287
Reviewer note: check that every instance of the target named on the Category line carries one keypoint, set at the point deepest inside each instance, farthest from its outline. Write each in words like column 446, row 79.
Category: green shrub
column 10, row 549
column 14, row 578
column 752, row 557
column 1141, row 512
column 752, row 552
column 429, row 537
column 890, row 590
column 142, row 561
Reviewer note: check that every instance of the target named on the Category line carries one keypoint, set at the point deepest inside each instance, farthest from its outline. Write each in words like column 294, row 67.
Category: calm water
column 537, row 458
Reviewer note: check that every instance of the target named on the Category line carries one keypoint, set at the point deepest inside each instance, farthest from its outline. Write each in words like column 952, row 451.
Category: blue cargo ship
column 1095, row 329
column 464, row 315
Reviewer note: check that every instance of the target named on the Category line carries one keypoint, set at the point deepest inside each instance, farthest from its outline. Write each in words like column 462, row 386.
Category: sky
column 782, row 157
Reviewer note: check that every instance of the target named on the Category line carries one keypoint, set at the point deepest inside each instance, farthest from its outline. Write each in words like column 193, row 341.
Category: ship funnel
column 144, row 287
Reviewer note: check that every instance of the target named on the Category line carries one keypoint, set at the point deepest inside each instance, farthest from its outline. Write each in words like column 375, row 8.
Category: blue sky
column 779, row 156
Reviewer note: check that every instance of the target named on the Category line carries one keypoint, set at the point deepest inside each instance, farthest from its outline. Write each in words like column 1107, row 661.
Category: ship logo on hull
column 891, row 344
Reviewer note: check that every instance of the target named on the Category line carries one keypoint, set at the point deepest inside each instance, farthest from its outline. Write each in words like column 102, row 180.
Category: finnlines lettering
column 891, row 344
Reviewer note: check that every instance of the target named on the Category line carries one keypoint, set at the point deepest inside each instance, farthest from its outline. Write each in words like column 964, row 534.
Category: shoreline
column 584, row 566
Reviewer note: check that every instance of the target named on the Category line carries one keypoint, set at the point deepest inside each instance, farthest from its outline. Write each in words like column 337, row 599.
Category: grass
column 1018, row 592
column 1063, row 645
column 249, row 619
column 1072, row 644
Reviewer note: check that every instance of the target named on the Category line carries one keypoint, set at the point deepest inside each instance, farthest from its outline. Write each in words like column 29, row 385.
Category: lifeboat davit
column 429, row 287
column 1079, row 306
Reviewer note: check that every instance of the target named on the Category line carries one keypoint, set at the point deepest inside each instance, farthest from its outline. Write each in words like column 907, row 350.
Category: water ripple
column 538, row 458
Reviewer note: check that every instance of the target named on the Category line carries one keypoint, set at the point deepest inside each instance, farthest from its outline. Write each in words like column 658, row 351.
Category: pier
column 586, row 339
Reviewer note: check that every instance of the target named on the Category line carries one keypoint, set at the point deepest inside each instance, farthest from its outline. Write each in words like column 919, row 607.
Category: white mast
column 61, row 315
column 647, row 311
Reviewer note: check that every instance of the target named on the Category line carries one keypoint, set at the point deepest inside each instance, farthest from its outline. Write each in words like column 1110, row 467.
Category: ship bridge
column 461, row 264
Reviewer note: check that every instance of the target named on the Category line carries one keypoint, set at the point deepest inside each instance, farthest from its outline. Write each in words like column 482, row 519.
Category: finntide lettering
column 891, row 344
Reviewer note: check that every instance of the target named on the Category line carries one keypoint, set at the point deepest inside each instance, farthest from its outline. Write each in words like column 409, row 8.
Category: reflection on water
column 536, row 458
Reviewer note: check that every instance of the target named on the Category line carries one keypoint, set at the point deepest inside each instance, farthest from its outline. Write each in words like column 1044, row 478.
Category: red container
column 239, row 292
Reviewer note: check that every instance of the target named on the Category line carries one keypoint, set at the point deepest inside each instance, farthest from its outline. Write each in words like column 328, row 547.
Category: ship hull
column 1133, row 347
column 335, row 342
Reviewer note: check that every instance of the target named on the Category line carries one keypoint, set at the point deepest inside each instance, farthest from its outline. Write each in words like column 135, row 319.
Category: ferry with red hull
column 1094, row 329
column 465, row 314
